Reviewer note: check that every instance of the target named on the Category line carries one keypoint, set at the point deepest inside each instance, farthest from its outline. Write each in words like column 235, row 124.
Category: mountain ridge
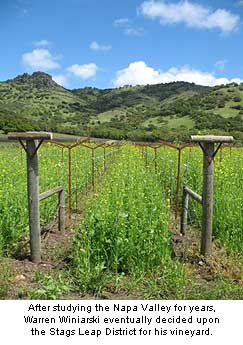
column 144, row 112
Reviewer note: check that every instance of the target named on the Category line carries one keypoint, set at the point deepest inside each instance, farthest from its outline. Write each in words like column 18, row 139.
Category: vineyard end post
column 31, row 142
column 207, row 144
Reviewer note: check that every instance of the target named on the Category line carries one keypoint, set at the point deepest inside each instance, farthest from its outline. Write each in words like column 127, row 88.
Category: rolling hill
column 171, row 111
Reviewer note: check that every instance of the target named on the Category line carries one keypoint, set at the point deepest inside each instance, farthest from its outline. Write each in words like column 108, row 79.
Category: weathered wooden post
column 61, row 204
column 207, row 144
column 33, row 142
column 185, row 204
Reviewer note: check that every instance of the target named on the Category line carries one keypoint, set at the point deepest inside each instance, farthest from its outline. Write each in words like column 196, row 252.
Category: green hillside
column 171, row 111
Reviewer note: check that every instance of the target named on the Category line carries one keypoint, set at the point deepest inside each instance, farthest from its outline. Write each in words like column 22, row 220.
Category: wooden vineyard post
column 207, row 198
column 61, row 204
column 33, row 200
column 33, row 143
column 207, row 144
column 185, row 206
column 184, row 211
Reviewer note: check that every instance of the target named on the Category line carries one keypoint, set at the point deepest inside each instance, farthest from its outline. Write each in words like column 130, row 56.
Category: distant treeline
column 11, row 123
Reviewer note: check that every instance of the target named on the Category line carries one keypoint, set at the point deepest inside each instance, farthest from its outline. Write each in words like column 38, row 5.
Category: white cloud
column 134, row 31
column 190, row 13
column 85, row 71
column 126, row 25
column 81, row 71
column 220, row 64
column 138, row 73
column 99, row 47
column 121, row 22
column 60, row 79
column 42, row 43
column 40, row 59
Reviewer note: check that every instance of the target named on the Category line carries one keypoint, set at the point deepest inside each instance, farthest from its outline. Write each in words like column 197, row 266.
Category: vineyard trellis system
column 34, row 141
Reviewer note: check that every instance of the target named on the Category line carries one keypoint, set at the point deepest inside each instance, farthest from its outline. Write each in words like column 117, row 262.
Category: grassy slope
column 171, row 106
column 45, row 103
column 175, row 122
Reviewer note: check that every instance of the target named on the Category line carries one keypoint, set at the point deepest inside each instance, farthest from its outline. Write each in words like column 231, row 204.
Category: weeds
column 51, row 287
column 125, row 230
column 5, row 280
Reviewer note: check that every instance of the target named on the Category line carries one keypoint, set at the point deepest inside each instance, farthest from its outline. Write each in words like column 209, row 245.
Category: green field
column 124, row 243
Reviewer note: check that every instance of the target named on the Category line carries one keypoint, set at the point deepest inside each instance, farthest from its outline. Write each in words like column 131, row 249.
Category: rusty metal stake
column 146, row 156
column 93, row 169
column 178, row 181
column 69, row 181
column 155, row 159
column 62, row 154
column 104, row 158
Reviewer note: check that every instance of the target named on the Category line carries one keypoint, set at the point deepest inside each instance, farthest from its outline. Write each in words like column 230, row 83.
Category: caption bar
column 96, row 322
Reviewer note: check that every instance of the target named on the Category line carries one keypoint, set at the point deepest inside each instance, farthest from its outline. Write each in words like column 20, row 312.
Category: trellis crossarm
column 212, row 139
column 30, row 136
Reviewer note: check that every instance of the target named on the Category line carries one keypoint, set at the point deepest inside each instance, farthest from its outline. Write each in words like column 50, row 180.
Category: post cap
column 30, row 136
column 212, row 139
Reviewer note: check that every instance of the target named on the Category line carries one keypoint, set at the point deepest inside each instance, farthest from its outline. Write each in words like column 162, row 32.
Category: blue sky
column 111, row 43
